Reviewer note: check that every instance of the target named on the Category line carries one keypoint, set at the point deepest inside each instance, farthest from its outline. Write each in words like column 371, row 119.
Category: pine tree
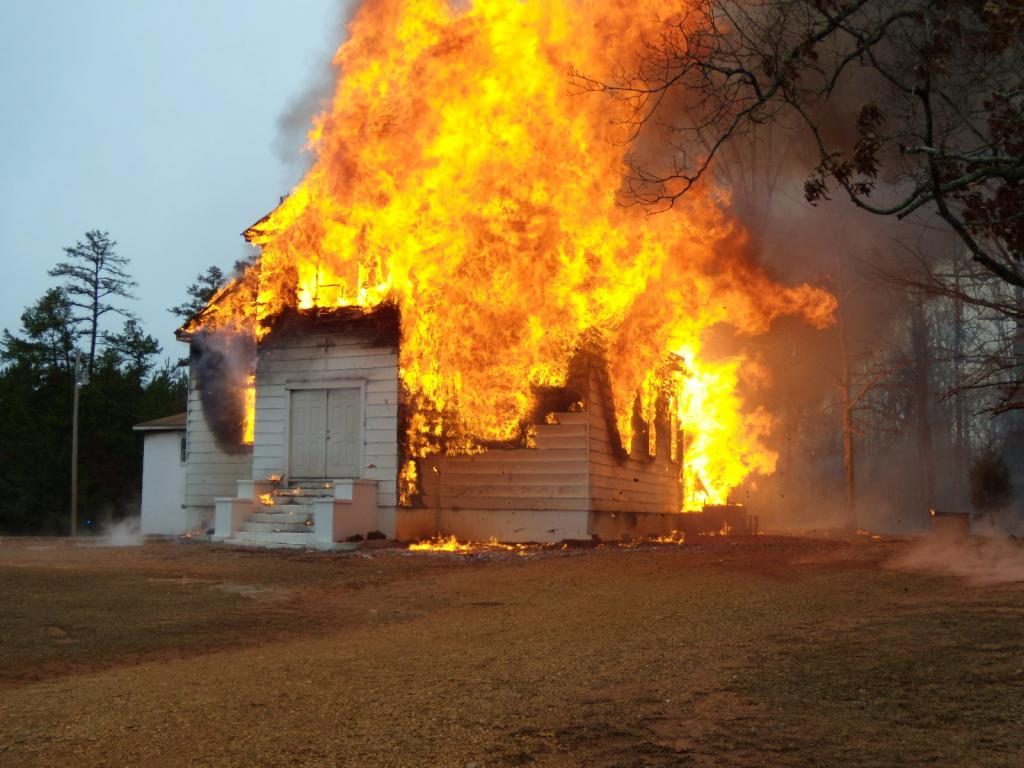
column 49, row 340
column 94, row 274
column 134, row 348
column 200, row 292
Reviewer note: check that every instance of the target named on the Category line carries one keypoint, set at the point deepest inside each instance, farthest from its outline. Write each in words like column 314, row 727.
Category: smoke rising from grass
column 984, row 560
column 126, row 533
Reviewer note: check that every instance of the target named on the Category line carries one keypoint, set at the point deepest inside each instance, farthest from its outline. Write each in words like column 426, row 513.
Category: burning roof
column 458, row 176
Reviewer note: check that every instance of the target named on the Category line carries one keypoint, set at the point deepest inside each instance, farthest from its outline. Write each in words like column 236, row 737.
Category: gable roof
column 184, row 333
column 164, row 424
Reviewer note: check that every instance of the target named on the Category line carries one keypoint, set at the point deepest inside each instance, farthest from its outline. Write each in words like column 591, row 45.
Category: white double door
column 325, row 433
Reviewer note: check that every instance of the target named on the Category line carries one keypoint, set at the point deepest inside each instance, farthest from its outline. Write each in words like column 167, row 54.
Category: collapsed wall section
column 575, row 482
column 629, row 479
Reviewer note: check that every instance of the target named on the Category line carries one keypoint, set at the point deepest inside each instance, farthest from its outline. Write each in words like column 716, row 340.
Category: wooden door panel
column 307, row 433
column 344, row 432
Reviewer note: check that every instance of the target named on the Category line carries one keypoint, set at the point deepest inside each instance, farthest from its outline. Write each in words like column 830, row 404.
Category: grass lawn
column 764, row 652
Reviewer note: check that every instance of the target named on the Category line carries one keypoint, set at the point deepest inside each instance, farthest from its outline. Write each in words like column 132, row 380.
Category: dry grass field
column 763, row 652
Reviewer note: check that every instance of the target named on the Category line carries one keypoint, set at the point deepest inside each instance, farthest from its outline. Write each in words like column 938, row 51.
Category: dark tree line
column 125, row 383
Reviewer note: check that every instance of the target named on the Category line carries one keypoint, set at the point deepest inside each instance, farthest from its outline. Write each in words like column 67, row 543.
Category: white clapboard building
column 321, row 462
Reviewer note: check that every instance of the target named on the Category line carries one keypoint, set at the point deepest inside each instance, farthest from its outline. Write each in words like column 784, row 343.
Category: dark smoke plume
column 222, row 363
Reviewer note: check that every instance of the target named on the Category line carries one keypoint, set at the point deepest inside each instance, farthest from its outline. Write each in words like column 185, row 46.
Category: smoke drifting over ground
column 980, row 560
column 127, row 533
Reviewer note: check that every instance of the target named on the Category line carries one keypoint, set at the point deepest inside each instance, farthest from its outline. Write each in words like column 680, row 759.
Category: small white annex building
column 163, row 477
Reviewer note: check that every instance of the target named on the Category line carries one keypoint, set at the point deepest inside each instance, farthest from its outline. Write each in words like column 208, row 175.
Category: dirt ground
column 758, row 652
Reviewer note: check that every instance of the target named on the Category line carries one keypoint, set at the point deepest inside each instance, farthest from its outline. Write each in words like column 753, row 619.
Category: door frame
column 332, row 383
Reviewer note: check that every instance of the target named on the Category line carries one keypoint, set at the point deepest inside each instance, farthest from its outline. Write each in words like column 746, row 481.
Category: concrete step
column 300, row 511
column 306, row 497
column 301, row 493
column 306, row 490
column 270, row 515
column 298, row 501
column 274, row 539
column 310, row 486
column 251, row 526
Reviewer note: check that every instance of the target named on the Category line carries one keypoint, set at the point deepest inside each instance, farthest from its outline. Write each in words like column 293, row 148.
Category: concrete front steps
column 295, row 511
column 273, row 539
column 288, row 522
column 280, row 520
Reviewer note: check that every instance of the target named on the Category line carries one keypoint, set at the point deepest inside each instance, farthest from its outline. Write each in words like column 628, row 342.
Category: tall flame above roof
column 458, row 174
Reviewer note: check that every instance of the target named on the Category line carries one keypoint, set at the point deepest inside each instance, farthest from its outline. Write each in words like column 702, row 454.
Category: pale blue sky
column 158, row 121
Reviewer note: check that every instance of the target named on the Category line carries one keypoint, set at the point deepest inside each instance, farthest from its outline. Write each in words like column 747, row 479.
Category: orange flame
column 451, row 544
column 249, row 422
column 676, row 537
column 441, row 544
column 458, row 175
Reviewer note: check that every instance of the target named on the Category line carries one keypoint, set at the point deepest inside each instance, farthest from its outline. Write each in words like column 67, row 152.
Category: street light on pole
column 80, row 381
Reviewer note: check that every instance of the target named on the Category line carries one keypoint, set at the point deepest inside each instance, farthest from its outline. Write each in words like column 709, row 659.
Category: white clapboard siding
column 512, row 524
column 524, row 494
column 209, row 472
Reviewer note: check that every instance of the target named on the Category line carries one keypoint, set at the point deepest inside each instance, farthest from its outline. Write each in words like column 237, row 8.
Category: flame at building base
column 452, row 544
column 458, row 175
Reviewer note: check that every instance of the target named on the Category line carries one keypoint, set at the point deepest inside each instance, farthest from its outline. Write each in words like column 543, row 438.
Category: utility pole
column 80, row 381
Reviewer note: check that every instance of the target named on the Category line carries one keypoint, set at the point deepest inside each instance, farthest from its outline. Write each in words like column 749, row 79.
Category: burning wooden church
column 313, row 447
column 455, row 327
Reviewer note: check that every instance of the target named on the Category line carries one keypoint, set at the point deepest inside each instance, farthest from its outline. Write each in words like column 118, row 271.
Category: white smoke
column 981, row 560
column 126, row 533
